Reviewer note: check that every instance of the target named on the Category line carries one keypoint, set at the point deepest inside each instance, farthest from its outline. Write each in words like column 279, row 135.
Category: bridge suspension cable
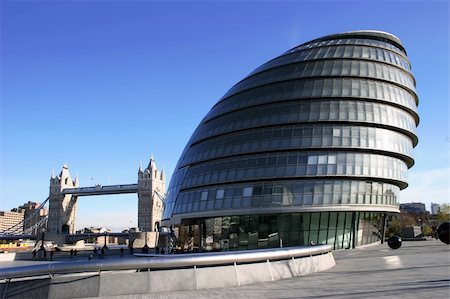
column 162, row 197
column 18, row 228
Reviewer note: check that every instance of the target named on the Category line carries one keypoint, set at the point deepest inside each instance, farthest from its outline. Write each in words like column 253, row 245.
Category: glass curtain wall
column 342, row 230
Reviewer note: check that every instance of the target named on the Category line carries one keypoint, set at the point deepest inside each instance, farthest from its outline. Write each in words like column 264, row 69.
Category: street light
column 104, row 245
column 43, row 230
column 145, row 248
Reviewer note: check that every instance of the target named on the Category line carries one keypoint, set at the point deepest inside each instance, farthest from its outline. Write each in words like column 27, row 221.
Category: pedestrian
column 45, row 255
column 51, row 255
column 75, row 253
column 121, row 252
column 71, row 253
column 34, row 254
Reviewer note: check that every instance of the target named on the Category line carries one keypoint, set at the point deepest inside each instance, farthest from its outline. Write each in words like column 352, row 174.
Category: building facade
column 311, row 147
column 435, row 208
column 10, row 219
column 413, row 208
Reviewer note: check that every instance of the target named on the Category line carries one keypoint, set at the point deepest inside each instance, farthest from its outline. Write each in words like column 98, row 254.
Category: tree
column 427, row 230
column 399, row 222
column 444, row 213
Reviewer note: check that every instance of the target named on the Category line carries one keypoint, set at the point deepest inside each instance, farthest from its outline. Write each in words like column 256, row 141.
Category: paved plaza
column 416, row 270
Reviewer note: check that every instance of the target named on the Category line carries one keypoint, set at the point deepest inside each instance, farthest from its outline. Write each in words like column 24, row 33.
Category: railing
column 165, row 261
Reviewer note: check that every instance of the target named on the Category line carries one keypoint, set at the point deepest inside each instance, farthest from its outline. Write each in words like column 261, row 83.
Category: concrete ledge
column 145, row 280
column 7, row 257
column 119, row 283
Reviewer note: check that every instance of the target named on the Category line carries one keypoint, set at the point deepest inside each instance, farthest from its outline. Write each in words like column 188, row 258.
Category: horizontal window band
column 315, row 63
column 318, row 99
column 283, row 210
column 409, row 91
column 296, row 50
column 407, row 159
column 401, row 184
column 410, row 134
column 263, row 70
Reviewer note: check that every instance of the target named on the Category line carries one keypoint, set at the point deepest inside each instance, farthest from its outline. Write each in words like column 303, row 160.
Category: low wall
column 168, row 273
column 7, row 257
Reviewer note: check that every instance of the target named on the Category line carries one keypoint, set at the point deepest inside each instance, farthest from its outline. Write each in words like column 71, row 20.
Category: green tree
column 399, row 222
column 427, row 230
column 444, row 213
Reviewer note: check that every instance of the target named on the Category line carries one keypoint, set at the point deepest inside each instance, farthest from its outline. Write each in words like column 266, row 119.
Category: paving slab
column 416, row 270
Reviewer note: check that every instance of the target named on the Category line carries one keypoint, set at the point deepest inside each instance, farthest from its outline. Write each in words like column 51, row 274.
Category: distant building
column 99, row 240
column 435, row 208
column 413, row 208
column 9, row 219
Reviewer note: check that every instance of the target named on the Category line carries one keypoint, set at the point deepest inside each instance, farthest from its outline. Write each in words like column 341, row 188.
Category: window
column 204, row 195
column 220, row 194
column 322, row 159
column 247, row 191
column 332, row 159
column 312, row 160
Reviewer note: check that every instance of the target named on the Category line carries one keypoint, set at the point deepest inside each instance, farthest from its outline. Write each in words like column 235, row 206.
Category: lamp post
column 106, row 236
column 42, row 238
column 145, row 248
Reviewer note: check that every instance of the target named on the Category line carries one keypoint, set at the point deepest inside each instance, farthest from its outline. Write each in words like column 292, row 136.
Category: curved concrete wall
column 201, row 272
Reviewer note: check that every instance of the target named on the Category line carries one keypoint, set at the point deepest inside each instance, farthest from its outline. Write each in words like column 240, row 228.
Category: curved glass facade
column 313, row 146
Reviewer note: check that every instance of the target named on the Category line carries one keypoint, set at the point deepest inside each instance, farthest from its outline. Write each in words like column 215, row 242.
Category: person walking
column 121, row 252
column 34, row 254
column 71, row 253
column 51, row 255
column 75, row 254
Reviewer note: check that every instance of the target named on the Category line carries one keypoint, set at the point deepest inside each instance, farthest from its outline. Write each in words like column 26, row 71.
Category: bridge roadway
column 81, row 191
column 102, row 190
column 416, row 270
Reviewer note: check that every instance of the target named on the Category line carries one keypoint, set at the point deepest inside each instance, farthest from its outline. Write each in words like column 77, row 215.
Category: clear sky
column 102, row 85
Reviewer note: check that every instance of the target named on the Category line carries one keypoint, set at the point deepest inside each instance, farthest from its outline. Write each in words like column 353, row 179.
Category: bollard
column 395, row 242
column 443, row 232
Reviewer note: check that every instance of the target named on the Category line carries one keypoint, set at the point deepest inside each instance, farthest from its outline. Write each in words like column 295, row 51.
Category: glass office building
column 311, row 147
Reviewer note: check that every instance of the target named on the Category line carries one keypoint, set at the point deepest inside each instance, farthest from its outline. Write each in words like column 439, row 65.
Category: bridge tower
column 150, row 205
column 62, row 207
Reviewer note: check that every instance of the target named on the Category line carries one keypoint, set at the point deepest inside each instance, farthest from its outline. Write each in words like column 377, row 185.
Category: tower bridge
column 63, row 199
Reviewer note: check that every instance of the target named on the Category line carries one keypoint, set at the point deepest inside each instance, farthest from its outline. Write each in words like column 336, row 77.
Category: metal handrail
column 165, row 261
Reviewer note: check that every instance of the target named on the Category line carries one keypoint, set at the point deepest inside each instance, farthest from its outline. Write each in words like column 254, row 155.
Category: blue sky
column 102, row 85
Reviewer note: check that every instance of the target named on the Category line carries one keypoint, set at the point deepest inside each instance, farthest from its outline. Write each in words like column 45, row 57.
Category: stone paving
column 416, row 270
